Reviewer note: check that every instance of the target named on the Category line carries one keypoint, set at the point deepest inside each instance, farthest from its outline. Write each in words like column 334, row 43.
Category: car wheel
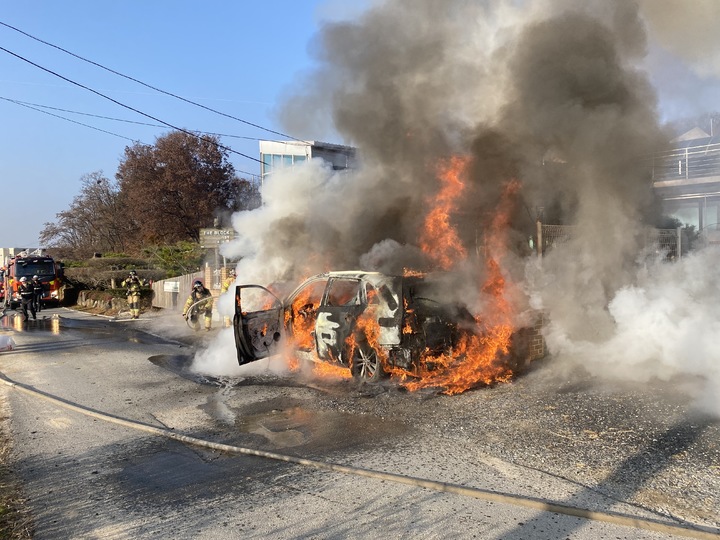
column 366, row 365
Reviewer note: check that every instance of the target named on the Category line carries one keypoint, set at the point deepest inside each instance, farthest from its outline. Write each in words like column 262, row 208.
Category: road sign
column 212, row 238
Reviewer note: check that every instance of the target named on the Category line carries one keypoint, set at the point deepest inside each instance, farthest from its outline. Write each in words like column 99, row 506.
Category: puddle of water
column 96, row 327
column 326, row 430
column 284, row 429
column 14, row 320
column 281, row 422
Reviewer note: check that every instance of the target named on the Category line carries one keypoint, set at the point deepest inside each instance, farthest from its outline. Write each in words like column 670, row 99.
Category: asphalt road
column 548, row 437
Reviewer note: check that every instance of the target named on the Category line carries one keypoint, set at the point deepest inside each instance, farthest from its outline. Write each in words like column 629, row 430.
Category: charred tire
column 366, row 364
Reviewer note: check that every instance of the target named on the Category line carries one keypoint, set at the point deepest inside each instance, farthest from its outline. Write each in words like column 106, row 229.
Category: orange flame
column 368, row 328
column 409, row 272
column 300, row 317
column 293, row 363
column 409, row 316
column 330, row 371
column 439, row 239
column 479, row 358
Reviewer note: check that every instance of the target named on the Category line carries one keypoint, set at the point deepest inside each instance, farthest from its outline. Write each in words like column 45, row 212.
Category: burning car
column 368, row 322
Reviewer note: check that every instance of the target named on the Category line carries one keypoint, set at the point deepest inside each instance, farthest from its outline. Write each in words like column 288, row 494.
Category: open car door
column 258, row 323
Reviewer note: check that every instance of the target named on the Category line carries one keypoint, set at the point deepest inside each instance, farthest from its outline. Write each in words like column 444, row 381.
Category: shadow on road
column 629, row 477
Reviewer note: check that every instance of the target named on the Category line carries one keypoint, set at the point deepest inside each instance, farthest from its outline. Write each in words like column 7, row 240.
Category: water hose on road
column 477, row 493
column 197, row 306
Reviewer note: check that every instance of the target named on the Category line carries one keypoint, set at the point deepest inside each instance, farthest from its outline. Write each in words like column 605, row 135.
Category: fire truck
column 28, row 265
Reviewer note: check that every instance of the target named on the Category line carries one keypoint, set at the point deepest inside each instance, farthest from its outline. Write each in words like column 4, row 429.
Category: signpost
column 211, row 239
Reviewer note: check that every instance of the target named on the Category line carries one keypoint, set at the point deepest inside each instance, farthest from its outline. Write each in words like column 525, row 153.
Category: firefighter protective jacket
column 26, row 291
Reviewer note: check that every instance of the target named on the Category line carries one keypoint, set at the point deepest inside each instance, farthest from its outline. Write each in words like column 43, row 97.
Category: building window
column 688, row 212
column 266, row 165
column 279, row 161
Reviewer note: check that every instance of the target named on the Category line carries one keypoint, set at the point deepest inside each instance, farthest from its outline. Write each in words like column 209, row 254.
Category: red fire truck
column 28, row 265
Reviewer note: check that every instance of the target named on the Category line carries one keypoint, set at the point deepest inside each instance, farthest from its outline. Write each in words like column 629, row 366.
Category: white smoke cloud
column 664, row 326
column 220, row 360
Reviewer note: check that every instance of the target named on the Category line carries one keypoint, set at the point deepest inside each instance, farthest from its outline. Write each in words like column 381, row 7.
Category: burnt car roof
column 372, row 277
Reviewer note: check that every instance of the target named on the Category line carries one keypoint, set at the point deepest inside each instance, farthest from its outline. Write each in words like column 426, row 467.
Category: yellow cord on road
column 477, row 493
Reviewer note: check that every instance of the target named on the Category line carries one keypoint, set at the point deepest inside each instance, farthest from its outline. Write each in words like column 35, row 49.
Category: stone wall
column 97, row 300
column 527, row 344
column 104, row 302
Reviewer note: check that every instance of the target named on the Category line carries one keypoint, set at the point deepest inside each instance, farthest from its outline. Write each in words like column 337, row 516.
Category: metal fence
column 172, row 293
column 667, row 241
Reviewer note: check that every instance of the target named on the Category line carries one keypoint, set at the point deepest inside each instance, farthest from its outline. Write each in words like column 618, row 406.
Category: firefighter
column 193, row 308
column 38, row 293
column 27, row 295
column 133, row 285
column 225, row 287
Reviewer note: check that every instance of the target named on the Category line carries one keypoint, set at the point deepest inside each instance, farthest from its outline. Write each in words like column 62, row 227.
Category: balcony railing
column 689, row 163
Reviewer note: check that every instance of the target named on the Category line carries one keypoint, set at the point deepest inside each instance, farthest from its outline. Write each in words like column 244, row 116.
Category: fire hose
column 688, row 531
column 188, row 313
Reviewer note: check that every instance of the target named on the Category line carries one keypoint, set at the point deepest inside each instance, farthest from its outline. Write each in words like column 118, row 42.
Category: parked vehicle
column 368, row 322
column 26, row 265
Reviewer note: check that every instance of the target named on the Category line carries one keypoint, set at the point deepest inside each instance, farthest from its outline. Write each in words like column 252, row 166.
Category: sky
column 236, row 57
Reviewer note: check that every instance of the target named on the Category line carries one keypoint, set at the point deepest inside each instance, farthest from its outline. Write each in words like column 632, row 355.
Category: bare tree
column 94, row 222
column 247, row 195
column 176, row 187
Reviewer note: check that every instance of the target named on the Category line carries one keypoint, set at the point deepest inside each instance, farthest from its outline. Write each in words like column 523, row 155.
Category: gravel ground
column 644, row 445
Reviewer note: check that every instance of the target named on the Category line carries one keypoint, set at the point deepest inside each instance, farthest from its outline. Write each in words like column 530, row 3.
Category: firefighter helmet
column 36, row 276
column 23, row 279
column 197, row 284
column 133, row 273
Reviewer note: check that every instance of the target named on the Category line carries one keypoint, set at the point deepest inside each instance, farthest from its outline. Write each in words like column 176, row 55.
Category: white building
column 279, row 154
column 687, row 179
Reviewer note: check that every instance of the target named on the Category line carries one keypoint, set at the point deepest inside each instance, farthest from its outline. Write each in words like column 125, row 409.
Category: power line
column 35, row 108
column 68, row 119
column 31, row 105
column 148, row 85
column 123, row 105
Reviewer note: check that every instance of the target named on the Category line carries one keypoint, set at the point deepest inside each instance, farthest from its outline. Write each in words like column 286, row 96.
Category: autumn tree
column 175, row 187
column 94, row 222
column 247, row 195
